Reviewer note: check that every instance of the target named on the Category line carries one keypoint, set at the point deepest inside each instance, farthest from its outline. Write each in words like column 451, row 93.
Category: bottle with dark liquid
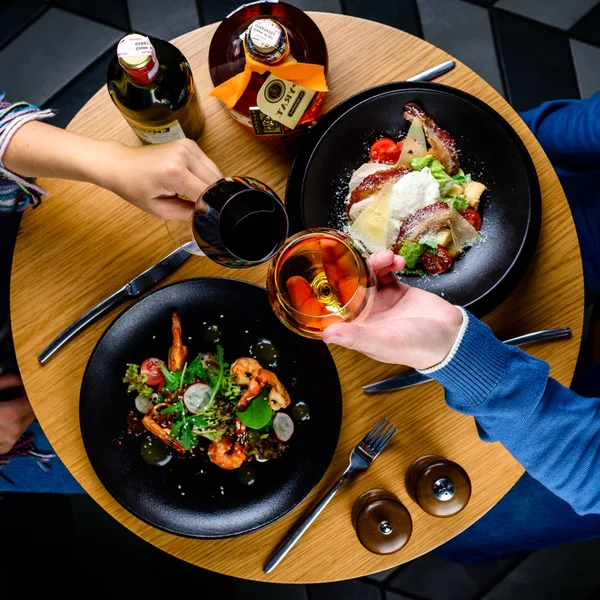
column 267, row 36
column 151, row 83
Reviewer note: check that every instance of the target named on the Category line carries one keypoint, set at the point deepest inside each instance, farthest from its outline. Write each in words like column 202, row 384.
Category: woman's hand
column 16, row 414
column 152, row 177
column 407, row 326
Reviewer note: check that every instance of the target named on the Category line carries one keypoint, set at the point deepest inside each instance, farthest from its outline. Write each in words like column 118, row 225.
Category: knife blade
column 413, row 377
column 434, row 72
column 132, row 289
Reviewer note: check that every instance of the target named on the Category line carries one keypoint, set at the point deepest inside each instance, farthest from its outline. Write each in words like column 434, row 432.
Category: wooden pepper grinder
column 439, row 486
column 382, row 523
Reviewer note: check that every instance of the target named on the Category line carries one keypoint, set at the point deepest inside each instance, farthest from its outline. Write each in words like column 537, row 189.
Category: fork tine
column 381, row 434
column 367, row 439
column 385, row 441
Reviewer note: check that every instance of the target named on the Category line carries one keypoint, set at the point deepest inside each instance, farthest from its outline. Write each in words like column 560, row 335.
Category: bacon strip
column 371, row 184
column 442, row 143
column 431, row 219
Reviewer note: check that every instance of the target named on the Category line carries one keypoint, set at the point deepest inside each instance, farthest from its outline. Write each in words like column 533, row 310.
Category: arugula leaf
column 175, row 407
column 216, row 385
column 258, row 414
column 137, row 381
column 196, row 368
column 198, row 421
column 411, row 251
column 172, row 378
column 182, row 375
column 176, row 427
column 188, row 438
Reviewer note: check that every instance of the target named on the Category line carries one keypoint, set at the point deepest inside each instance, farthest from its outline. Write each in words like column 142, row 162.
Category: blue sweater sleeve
column 550, row 430
column 568, row 130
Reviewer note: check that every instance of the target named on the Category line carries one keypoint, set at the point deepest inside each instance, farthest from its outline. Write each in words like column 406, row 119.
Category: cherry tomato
column 436, row 263
column 385, row 151
column 400, row 146
column 471, row 215
column 151, row 369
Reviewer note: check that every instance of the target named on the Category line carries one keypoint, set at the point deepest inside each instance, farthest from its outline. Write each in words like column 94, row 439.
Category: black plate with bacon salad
column 433, row 218
column 413, row 197
column 217, row 436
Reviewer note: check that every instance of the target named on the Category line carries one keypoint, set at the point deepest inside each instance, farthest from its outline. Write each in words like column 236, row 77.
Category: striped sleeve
column 17, row 193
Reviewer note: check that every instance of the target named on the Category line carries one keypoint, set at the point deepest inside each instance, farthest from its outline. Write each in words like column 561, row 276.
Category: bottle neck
column 144, row 75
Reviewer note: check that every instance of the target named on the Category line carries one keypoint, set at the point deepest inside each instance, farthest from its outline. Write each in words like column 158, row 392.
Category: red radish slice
column 197, row 397
column 143, row 404
column 283, row 426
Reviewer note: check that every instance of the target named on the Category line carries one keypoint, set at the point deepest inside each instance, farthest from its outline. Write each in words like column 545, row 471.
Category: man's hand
column 15, row 414
column 407, row 326
column 152, row 177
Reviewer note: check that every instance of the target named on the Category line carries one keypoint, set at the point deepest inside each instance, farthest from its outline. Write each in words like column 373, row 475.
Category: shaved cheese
column 371, row 226
column 463, row 233
column 414, row 144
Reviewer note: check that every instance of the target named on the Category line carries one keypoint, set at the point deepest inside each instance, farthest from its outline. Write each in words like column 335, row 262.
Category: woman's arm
column 151, row 177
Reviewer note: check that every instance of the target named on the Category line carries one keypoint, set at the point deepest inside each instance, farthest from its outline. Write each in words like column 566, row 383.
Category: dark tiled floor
column 54, row 53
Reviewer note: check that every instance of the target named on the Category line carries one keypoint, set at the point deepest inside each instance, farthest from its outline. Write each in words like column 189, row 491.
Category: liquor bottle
column 268, row 62
column 151, row 83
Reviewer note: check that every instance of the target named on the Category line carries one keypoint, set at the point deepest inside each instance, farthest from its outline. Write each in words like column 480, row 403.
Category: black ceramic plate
column 489, row 149
column 185, row 496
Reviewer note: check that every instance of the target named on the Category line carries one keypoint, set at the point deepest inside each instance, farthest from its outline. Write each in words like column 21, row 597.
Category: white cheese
column 412, row 192
column 371, row 226
column 358, row 207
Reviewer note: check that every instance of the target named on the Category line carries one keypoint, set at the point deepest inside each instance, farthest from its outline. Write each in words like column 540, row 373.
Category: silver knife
column 135, row 287
column 434, row 72
column 413, row 377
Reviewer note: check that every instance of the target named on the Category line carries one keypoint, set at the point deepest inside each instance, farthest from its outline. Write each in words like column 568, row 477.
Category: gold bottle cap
column 267, row 40
column 135, row 51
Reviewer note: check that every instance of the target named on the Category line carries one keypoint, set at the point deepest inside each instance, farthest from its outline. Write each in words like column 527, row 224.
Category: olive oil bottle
column 151, row 83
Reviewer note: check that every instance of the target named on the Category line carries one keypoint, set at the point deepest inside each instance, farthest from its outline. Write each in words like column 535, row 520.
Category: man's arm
column 550, row 430
column 569, row 131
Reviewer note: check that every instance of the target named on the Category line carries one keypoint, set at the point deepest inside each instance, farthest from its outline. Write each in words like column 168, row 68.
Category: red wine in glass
column 237, row 222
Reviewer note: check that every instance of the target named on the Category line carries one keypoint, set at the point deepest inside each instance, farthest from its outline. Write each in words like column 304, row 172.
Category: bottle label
column 283, row 101
column 135, row 45
column 170, row 133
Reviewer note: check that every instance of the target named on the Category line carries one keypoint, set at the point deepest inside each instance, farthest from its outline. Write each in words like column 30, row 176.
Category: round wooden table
column 84, row 243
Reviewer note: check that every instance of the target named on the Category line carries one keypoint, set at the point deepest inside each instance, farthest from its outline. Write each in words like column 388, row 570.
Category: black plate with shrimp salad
column 198, row 408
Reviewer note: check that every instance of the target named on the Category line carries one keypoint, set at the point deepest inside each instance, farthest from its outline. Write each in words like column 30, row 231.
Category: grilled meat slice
column 371, row 184
column 442, row 143
column 431, row 219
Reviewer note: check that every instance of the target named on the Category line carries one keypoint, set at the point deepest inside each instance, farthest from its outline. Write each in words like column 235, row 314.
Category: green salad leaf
column 460, row 201
column 258, row 414
column 172, row 378
column 411, row 251
column 462, row 178
column 136, row 381
column 437, row 170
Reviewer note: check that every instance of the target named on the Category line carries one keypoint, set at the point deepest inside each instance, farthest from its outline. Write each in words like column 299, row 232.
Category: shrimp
column 226, row 454
column 243, row 369
column 162, row 433
column 177, row 352
column 278, row 395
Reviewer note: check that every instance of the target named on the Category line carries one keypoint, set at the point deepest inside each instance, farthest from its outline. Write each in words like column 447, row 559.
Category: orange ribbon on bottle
column 305, row 74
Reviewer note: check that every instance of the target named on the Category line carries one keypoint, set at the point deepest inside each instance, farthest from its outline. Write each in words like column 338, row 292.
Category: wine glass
column 320, row 277
column 237, row 222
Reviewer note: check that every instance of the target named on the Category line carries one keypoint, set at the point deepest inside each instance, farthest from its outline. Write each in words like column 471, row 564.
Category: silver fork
column 365, row 452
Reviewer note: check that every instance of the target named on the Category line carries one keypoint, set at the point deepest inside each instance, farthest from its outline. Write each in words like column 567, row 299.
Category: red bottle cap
column 137, row 56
